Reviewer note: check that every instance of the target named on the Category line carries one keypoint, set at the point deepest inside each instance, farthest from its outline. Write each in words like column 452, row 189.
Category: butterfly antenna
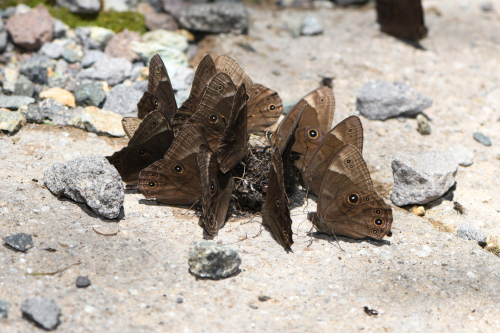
column 250, row 221
column 260, row 231
column 190, row 208
column 298, row 227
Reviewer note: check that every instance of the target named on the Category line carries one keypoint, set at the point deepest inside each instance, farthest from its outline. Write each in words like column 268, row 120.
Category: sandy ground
column 423, row 279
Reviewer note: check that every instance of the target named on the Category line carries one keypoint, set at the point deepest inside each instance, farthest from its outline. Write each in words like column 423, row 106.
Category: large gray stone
column 43, row 311
column 380, row 100
column 123, row 100
column 81, row 6
column 219, row 17
column 421, row 178
column 213, row 261
column 111, row 70
column 14, row 102
column 467, row 231
column 91, row 180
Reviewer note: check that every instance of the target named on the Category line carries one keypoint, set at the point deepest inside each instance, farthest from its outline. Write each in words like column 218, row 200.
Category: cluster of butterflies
column 186, row 155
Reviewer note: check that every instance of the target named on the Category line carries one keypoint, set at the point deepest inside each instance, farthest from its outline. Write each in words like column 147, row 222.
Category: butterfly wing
column 264, row 108
column 347, row 203
column 402, row 18
column 174, row 179
column 348, row 131
column 149, row 143
column 233, row 145
column 204, row 73
column 225, row 64
column 275, row 212
column 130, row 125
column 217, row 190
column 214, row 111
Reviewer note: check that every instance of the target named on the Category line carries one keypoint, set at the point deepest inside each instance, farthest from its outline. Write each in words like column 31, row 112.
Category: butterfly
column 217, row 189
column 402, row 18
column 148, row 144
column 348, row 131
column 347, row 202
column 175, row 179
column 316, row 122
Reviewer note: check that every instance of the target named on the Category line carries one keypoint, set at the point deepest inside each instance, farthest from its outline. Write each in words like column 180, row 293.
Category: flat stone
column 81, row 6
column 461, row 155
column 43, row 311
column 82, row 282
column 119, row 46
column 421, row 178
column 481, row 138
column 60, row 95
column 35, row 68
column 34, row 114
column 467, row 231
column 33, row 35
column 91, row 180
column 219, row 17
column 155, row 21
column 90, row 94
column 380, row 100
column 123, row 100
column 55, row 111
column 111, row 70
column 167, row 39
column 14, row 102
column 213, row 261
column 102, row 122
column 3, row 309
column 11, row 121
column 24, row 87
column 311, row 26
column 52, row 50
column 171, row 56
column 20, row 242
column 93, row 56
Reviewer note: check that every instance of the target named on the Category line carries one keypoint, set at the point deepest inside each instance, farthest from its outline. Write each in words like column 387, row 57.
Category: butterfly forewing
column 402, row 18
column 130, row 125
column 264, row 108
column 225, row 64
column 275, row 212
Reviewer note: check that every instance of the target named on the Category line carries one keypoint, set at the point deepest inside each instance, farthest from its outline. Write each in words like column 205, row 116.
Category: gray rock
column 311, row 26
column 90, row 94
column 3, row 309
column 3, row 36
column 7, row 12
column 421, row 178
column 59, row 29
column 142, row 86
column 61, row 66
column 91, row 180
column 481, row 138
column 11, row 121
column 14, row 102
column 72, row 54
column 82, row 282
column 93, row 56
column 213, row 261
column 35, row 68
column 52, row 50
column 111, row 70
column 381, row 100
column 470, row 232
column 81, row 6
column 24, row 87
column 55, row 111
column 461, row 155
column 123, row 100
column 43, row 311
column 20, row 242
column 93, row 37
column 156, row 4
column 34, row 114
column 173, row 7
column 487, row 7
column 216, row 17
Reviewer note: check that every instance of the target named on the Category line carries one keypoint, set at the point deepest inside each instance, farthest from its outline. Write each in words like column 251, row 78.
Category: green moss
column 116, row 21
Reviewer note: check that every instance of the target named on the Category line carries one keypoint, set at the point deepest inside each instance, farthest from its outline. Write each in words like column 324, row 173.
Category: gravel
column 123, row 100
column 213, row 261
column 421, row 178
column 43, row 311
column 20, row 242
column 91, row 180
column 82, row 282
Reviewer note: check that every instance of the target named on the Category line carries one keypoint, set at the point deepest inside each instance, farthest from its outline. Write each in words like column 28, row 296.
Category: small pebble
column 487, row 7
column 253, row 306
column 20, row 242
column 3, row 309
column 424, row 127
column 481, row 138
column 264, row 298
column 43, row 311
column 179, row 300
column 418, row 210
column 82, row 282
column 213, row 261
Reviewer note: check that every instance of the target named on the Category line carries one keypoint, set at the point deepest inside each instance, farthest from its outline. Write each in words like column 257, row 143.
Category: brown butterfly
column 149, row 143
column 215, row 108
column 217, row 189
column 233, row 145
column 175, row 179
column 403, row 19
column 130, row 125
column 203, row 75
column 275, row 212
column 160, row 95
column 347, row 202
column 348, row 131
column 264, row 104
column 316, row 122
